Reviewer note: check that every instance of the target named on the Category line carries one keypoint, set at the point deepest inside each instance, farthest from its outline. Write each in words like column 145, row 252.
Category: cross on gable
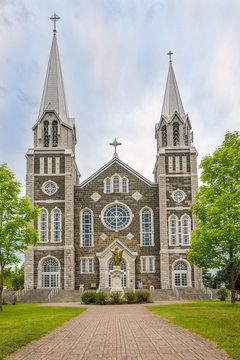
column 115, row 143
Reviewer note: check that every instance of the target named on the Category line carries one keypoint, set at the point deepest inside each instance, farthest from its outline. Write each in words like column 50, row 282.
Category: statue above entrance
column 117, row 257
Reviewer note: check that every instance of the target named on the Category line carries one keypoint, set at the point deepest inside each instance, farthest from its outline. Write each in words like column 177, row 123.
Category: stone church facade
column 116, row 206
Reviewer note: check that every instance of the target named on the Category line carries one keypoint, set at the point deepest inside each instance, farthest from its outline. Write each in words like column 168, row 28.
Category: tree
column 216, row 240
column 16, row 216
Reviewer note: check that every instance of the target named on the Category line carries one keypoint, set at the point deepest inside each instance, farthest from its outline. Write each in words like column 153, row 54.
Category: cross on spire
column 170, row 55
column 115, row 144
column 55, row 18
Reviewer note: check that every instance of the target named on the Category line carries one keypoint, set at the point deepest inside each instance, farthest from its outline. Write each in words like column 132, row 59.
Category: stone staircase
column 67, row 296
column 36, row 295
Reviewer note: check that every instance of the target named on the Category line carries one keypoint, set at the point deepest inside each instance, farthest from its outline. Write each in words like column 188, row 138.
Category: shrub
column 115, row 298
column 14, row 300
column 89, row 297
column 142, row 296
column 101, row 298
column 131, row 297
column 222, row 294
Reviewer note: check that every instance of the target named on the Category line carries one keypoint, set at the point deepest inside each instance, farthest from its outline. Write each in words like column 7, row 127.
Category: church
column 116, row 206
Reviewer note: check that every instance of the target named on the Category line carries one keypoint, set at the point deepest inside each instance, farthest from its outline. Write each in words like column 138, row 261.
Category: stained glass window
column 147, row 227
column 86, row 228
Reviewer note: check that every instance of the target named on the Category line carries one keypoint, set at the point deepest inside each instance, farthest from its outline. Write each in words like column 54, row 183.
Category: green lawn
column 213, row 320
column 22, row 323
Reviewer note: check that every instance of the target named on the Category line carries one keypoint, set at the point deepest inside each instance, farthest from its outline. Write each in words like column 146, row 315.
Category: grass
column 22, row 323
column 213, row 320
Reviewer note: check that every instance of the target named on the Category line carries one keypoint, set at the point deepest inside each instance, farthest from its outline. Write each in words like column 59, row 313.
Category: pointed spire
column 172, row 101
column 53, row 97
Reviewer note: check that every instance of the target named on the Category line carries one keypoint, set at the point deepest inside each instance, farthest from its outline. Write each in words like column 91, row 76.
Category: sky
column 114, row 63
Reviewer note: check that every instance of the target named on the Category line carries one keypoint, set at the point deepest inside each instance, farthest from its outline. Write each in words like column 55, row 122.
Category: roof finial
column 55, row 18
column 170, row 55
column 115, row 144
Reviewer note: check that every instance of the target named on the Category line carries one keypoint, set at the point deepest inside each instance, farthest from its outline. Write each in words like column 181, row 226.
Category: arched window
column 173, row 230
column 50, row 273
column 186, row 229
column 116, row 184
column 43, row 226
column 123, row 268
column 46, row 134
column 107, row 185
column 164, row 135
column 86, row 228
column 180, row 273
column 56, row 225
column 54, row 133
column 146, row 227
column 124, row 185
column 175, row 133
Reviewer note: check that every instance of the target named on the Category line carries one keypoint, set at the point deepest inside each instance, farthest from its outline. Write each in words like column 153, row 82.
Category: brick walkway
column 119, row 332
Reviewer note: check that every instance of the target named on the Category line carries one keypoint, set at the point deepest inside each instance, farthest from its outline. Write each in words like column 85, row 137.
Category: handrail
column 207, row 291
column 53, row 293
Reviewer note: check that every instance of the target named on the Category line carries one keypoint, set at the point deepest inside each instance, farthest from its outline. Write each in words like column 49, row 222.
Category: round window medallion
column 116, row 217
column 49, row 188
column 178, row 195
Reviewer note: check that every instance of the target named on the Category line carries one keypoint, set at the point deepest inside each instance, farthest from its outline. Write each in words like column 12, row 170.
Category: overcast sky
column 114, row 63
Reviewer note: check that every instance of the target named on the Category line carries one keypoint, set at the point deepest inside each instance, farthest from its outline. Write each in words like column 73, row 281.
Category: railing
column 20, row 293
column 53, row 293
column 207, row 291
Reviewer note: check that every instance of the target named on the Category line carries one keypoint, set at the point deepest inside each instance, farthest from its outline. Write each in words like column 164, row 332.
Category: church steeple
column 172, row 102
column 53, row 97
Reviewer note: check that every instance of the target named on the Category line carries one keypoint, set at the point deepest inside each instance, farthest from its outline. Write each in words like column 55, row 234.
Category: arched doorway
column 50, row 273
column 180, row 277
column 122, row 267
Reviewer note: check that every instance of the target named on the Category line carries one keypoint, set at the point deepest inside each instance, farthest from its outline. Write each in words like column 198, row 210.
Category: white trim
column 152, row 226
column 147, row 258
column 39, row 225
column 169, row 230
column 182, row 192
column 49, row 182
column 189, row 229
column 116, row 202
column 111, row 178
column 189, row 270
column 105, row 185
column 52, row 225
column 39, row 286
column 92, row 233
column 87, row 258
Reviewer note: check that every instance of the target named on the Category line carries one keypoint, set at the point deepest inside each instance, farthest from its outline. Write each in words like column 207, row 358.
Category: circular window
column 49, row 188
column 178, row 195
column 116, row 217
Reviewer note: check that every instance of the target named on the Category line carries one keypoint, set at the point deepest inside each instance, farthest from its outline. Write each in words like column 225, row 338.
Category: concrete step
column 67, row 296
column 36, row 295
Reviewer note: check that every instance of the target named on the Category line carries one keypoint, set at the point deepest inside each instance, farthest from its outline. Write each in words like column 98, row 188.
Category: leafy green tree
column 16, row 216
column 216, row 240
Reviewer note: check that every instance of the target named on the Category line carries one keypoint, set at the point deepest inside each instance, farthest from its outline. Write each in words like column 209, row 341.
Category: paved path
column 119, row 332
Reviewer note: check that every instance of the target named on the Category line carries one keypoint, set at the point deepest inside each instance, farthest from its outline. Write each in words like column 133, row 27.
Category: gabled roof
column 53, row 97
column 172, row 102
column 116, row 160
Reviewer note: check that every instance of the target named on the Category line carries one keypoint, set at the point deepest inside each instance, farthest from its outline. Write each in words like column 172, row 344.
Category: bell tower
column 51, row 175
column 176, row 174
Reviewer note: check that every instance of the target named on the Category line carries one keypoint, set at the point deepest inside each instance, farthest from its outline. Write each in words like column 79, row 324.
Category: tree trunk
column 232, row 283
column 1, row 287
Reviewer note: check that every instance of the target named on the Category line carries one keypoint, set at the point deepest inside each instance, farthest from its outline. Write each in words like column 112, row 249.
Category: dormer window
column 54, row 133
column 175, row 134
column 116, row 184
column 46, row 133
column 164, row 136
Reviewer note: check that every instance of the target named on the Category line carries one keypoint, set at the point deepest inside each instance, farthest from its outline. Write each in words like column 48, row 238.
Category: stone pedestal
column 116, row 276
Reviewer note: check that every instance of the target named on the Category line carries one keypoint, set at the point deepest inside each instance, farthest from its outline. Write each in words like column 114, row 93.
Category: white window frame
column 39, row 225
column 189, row 229
column 52, row 225
column 120, row 178
column 81, row 224
column 188, row 272
column 49, row 182
column 116, row 202
column 147, row 260
column 177, row 230
column 40, row 272
column 87, row 262
column 181, row 191
column 141, row 224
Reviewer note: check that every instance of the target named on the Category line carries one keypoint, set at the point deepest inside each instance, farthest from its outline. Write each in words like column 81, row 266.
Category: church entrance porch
column 127, row 265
